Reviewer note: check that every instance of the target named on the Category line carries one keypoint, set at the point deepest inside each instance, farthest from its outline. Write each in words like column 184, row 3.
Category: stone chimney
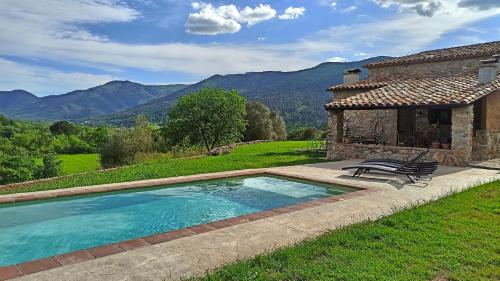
column 497, row 56
column 488, row 70
column 351, row 76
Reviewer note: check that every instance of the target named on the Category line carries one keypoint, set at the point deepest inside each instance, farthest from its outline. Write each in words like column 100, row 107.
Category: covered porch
column 401, row 132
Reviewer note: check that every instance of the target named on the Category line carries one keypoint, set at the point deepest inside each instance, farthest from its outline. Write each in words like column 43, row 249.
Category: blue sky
column 55, row 46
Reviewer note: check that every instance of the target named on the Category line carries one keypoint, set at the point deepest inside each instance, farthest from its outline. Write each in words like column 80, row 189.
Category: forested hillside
column 298, row 95
column 111, row 97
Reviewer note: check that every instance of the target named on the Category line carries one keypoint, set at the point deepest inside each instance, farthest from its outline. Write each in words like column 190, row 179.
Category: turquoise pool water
column 41, row 229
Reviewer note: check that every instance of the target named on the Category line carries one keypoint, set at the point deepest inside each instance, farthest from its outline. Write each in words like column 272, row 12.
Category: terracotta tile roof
column 470, row 51
column 463, row 89
column 358, row 86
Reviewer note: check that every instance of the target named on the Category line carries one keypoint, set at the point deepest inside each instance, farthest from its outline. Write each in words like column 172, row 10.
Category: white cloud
column 210, row 20
column 32, row 32
column 330, row 3
column 292, row 13
column 43, row 80
column 361, row 54
column 336, row 59
column 423, row 7
column 213, row 21
column 258, row 14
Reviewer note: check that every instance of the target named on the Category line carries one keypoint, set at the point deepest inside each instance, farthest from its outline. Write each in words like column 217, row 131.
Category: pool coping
column 31, row 267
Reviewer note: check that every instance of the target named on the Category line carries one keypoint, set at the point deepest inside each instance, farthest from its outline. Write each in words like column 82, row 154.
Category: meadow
column 260, row 155
column 79, row 163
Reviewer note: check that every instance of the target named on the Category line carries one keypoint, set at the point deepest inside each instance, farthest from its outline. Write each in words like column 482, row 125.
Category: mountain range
column 298, row 95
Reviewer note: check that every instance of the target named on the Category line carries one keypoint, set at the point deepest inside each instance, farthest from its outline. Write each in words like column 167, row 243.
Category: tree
column 279, row 126
column 210, row 117
column 123, row 146
column 259, row 123
column 62, row 127
column 263, row 123
column 16, row 166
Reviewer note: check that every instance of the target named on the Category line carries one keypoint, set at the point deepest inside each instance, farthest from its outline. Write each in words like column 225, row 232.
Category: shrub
column 306, row 133
column 123, row 145
column 16, row 167
column 51, row 167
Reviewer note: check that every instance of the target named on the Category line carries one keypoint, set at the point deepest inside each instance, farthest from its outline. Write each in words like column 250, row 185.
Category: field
column 79, row 163
column 243, row 157
column 455, row 238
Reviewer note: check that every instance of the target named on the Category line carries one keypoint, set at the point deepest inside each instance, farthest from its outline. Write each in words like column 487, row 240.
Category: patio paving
column 195, row 254
column 493, row 164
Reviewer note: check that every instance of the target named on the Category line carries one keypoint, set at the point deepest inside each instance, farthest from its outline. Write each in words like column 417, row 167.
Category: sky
column 51, row 47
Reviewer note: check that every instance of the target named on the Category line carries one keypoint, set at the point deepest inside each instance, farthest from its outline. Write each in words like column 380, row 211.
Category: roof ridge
column 464, row 51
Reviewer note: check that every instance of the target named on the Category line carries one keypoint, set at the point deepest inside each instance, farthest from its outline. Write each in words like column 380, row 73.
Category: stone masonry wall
column 331, row 138
column 486, row 146
column 461, row 133
column 359, row 151
column 424, row 69
column 361, row 123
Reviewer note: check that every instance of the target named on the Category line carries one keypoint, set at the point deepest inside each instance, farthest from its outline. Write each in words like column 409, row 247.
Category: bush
column 306, row 133
column 124, row 144
column 52, row 167
column 16, row 167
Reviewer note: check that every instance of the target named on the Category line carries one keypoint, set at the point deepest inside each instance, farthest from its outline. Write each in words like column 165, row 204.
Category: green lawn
column 79, row 163
column 243, row 157
column 456, row 238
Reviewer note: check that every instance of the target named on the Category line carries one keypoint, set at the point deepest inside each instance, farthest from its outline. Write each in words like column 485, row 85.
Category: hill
column 298, row 95
column 114, row 96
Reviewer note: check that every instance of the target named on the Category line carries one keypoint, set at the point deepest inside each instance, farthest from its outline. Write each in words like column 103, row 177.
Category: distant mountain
column 9, row 100
column 298, row 95
column 114, row 96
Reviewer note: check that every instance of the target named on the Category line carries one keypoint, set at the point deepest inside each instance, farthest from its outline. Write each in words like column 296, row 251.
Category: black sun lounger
column 394, row 162
column 413, row 170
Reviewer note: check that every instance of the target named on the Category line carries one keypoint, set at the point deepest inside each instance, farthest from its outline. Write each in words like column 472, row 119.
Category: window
column 440, row 116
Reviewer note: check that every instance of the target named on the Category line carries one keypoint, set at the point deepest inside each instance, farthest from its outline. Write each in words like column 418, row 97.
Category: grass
column 455, row 238
column 79, row 163
column 243, row 157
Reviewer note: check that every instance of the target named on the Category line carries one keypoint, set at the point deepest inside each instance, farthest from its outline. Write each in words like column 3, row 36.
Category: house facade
column 446, row 99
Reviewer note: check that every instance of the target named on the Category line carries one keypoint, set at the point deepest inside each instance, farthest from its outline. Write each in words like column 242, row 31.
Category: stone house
column 447, row 99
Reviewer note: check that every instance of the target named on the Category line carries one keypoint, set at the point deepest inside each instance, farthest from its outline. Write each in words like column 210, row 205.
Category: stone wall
column 461, row 133
column 361, row 123
column 424, row 69
column 486, row 145
column 359, row 151
column 333, row 134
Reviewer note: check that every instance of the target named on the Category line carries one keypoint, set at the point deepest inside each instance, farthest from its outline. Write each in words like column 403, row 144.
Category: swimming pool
column 40, row 229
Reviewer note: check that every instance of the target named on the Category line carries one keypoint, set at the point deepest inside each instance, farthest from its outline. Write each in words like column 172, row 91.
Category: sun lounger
column 414, row 171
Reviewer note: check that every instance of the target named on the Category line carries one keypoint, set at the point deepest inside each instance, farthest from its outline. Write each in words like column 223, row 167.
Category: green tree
column 17, row 166
column 62, row 127
column 259, row 123
column 210, row 117
column 263, row 123
column 279, row 126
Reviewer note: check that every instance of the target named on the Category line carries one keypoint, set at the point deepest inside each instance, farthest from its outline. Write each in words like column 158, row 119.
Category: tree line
column 207, row 118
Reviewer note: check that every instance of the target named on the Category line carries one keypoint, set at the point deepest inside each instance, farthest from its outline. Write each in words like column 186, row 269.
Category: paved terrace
column 203, row 248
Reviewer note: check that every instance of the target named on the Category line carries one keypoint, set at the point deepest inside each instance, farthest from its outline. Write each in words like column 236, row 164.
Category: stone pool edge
column 31, row 267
